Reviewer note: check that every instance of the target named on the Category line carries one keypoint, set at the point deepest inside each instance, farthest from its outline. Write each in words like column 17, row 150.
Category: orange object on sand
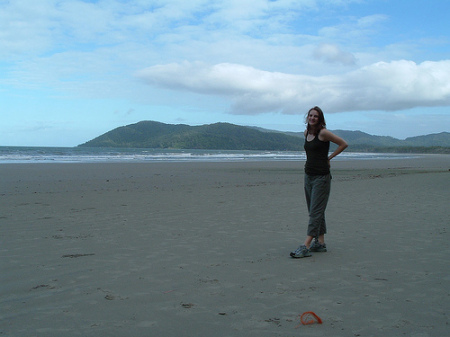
column 309, row 317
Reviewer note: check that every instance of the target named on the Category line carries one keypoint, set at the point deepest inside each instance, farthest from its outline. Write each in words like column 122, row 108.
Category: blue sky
column 71, row 70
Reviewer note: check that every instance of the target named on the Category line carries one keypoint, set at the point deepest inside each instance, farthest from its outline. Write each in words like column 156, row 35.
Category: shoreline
column 423, row 161
column 202, row 249
column 62, row 155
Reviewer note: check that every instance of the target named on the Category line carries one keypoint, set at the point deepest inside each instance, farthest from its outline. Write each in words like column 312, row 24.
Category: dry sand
column 202, row 249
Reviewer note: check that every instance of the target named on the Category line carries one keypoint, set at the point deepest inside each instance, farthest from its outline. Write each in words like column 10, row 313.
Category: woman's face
column 313, row 118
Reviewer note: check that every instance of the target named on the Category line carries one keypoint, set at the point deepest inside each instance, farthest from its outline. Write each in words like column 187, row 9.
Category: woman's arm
column 326, row 135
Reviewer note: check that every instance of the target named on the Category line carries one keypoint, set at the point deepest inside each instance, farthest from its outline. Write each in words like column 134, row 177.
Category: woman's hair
column 321, row 124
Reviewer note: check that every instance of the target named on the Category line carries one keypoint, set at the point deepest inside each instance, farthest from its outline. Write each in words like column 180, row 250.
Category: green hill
column 225, row 136
column 436, row 139
column 219, row 136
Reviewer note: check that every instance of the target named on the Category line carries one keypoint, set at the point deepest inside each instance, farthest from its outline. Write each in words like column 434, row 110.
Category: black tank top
column 317, row 156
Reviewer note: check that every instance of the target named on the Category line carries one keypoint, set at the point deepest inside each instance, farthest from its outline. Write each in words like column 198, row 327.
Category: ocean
column 12, row 154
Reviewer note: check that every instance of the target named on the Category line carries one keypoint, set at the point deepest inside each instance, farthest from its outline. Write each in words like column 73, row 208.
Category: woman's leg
column 317, row 200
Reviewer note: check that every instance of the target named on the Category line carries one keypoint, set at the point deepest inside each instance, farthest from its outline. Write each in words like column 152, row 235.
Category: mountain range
column 226, row 136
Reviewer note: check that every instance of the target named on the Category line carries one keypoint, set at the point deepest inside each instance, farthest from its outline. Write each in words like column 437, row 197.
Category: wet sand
column 202, row 249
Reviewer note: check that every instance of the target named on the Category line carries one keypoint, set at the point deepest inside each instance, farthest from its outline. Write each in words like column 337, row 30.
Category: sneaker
column 301, row 251
column 318, row 247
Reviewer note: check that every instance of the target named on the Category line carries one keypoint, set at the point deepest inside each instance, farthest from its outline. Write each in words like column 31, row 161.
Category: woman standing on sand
column 317, row 180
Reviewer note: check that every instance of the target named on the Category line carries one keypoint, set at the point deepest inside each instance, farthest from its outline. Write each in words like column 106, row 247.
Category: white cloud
column 354, row 29
column 24, row 28
column 333, row 54
column 384, row 86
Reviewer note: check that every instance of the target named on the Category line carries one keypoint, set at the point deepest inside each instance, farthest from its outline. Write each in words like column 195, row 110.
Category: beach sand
column 202, row 249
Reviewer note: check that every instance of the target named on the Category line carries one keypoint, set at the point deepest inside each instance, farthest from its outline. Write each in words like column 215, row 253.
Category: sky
column 71, row 70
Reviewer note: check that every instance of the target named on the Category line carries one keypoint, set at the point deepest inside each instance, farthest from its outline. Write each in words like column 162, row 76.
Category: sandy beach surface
column 202, row 249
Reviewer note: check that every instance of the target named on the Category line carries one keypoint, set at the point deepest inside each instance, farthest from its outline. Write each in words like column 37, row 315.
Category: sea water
column 12, row 154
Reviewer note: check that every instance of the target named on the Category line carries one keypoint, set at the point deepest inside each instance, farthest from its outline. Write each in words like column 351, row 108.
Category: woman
column 317, row 180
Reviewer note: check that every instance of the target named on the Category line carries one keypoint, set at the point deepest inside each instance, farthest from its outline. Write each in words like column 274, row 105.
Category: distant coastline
column 225, row 136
